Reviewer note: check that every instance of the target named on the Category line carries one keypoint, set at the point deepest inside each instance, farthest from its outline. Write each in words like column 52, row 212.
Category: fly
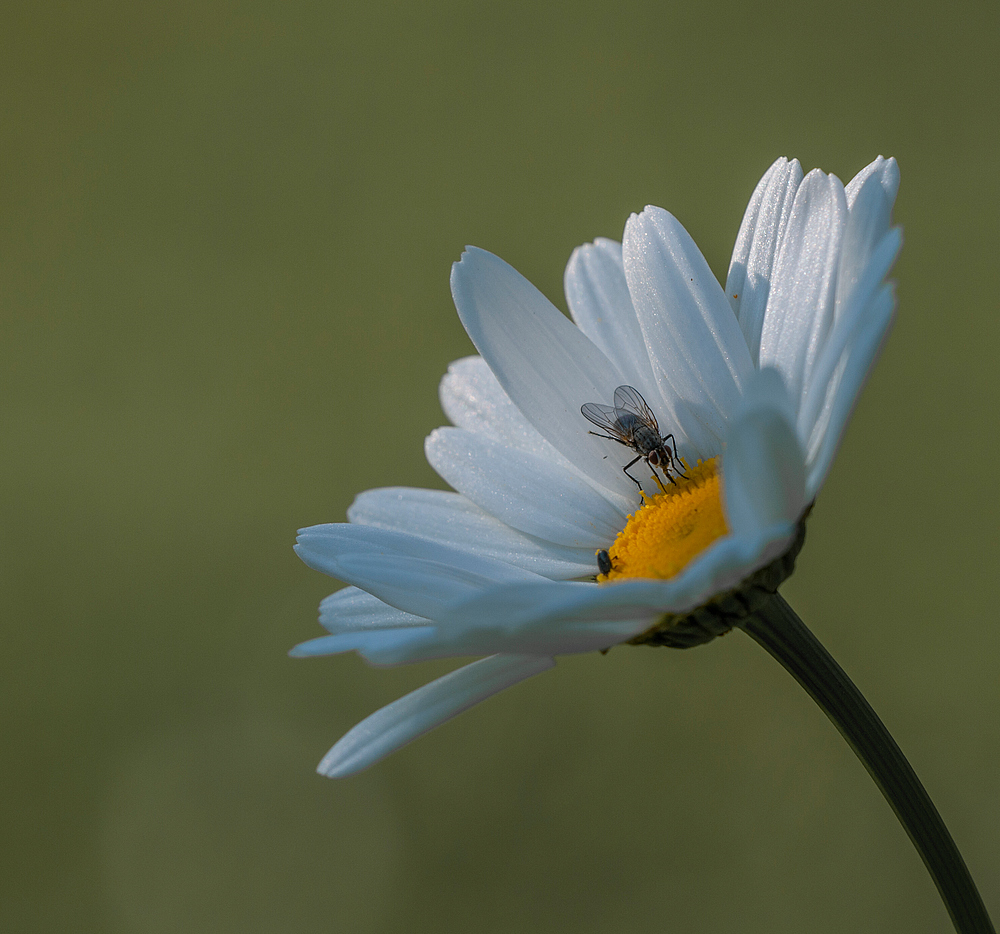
column 604, row 564
column 631, row 422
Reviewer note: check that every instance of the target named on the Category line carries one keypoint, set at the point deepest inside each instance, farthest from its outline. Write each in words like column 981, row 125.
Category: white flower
column 763, row 374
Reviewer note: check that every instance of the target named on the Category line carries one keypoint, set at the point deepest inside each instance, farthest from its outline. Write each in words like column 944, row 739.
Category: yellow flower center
column 671, row 528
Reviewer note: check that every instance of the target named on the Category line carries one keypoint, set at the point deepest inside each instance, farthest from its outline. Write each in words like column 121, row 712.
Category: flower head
column 753, row 383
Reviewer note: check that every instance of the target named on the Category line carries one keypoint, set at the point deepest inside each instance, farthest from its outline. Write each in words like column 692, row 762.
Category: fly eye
column 654, row 458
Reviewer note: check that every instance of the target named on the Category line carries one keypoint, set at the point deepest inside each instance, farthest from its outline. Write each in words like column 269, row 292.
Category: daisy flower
column 728, row 405
column 548, row 546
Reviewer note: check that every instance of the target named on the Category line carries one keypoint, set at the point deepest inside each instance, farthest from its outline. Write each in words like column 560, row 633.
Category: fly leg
column 627, row 474
column 676, row 459
column 610, row 438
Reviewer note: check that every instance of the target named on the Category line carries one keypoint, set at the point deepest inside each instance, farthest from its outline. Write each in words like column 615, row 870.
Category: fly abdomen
column 628, row 423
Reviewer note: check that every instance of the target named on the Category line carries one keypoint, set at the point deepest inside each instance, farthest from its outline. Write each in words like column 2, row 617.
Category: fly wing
column 603, row 416
column 629, row 400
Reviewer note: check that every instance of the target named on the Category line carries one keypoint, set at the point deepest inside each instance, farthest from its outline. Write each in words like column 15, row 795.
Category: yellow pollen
column 671, row 528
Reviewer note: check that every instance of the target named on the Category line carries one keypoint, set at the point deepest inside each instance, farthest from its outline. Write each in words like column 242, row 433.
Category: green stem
column 777, row 628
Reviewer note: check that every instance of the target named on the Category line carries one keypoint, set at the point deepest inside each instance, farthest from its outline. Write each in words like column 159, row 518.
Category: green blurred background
column 225, row 238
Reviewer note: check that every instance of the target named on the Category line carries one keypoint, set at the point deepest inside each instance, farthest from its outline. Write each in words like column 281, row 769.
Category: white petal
column 415, row 714
column 887, row 172
column 416, row 585
column 749, row 281
column 360, row 622
column 599, row 301
column 453, row 519
column 854, row 369
column 823, row 381
column 325, row 645
column 473, row 399
column 544, row 363
column 800, row 308
column 867, row 226
column 353, row 610
column 547, row 604
column 542, row 605
column 763, row 467
column 392, row 651
column 554, row 637
column 364, row 642
column 699, row 353
column 319, row 545
column 413, row 574
column 524, row 491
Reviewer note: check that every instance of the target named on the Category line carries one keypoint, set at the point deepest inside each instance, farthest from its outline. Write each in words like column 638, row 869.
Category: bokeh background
column 226, row 230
